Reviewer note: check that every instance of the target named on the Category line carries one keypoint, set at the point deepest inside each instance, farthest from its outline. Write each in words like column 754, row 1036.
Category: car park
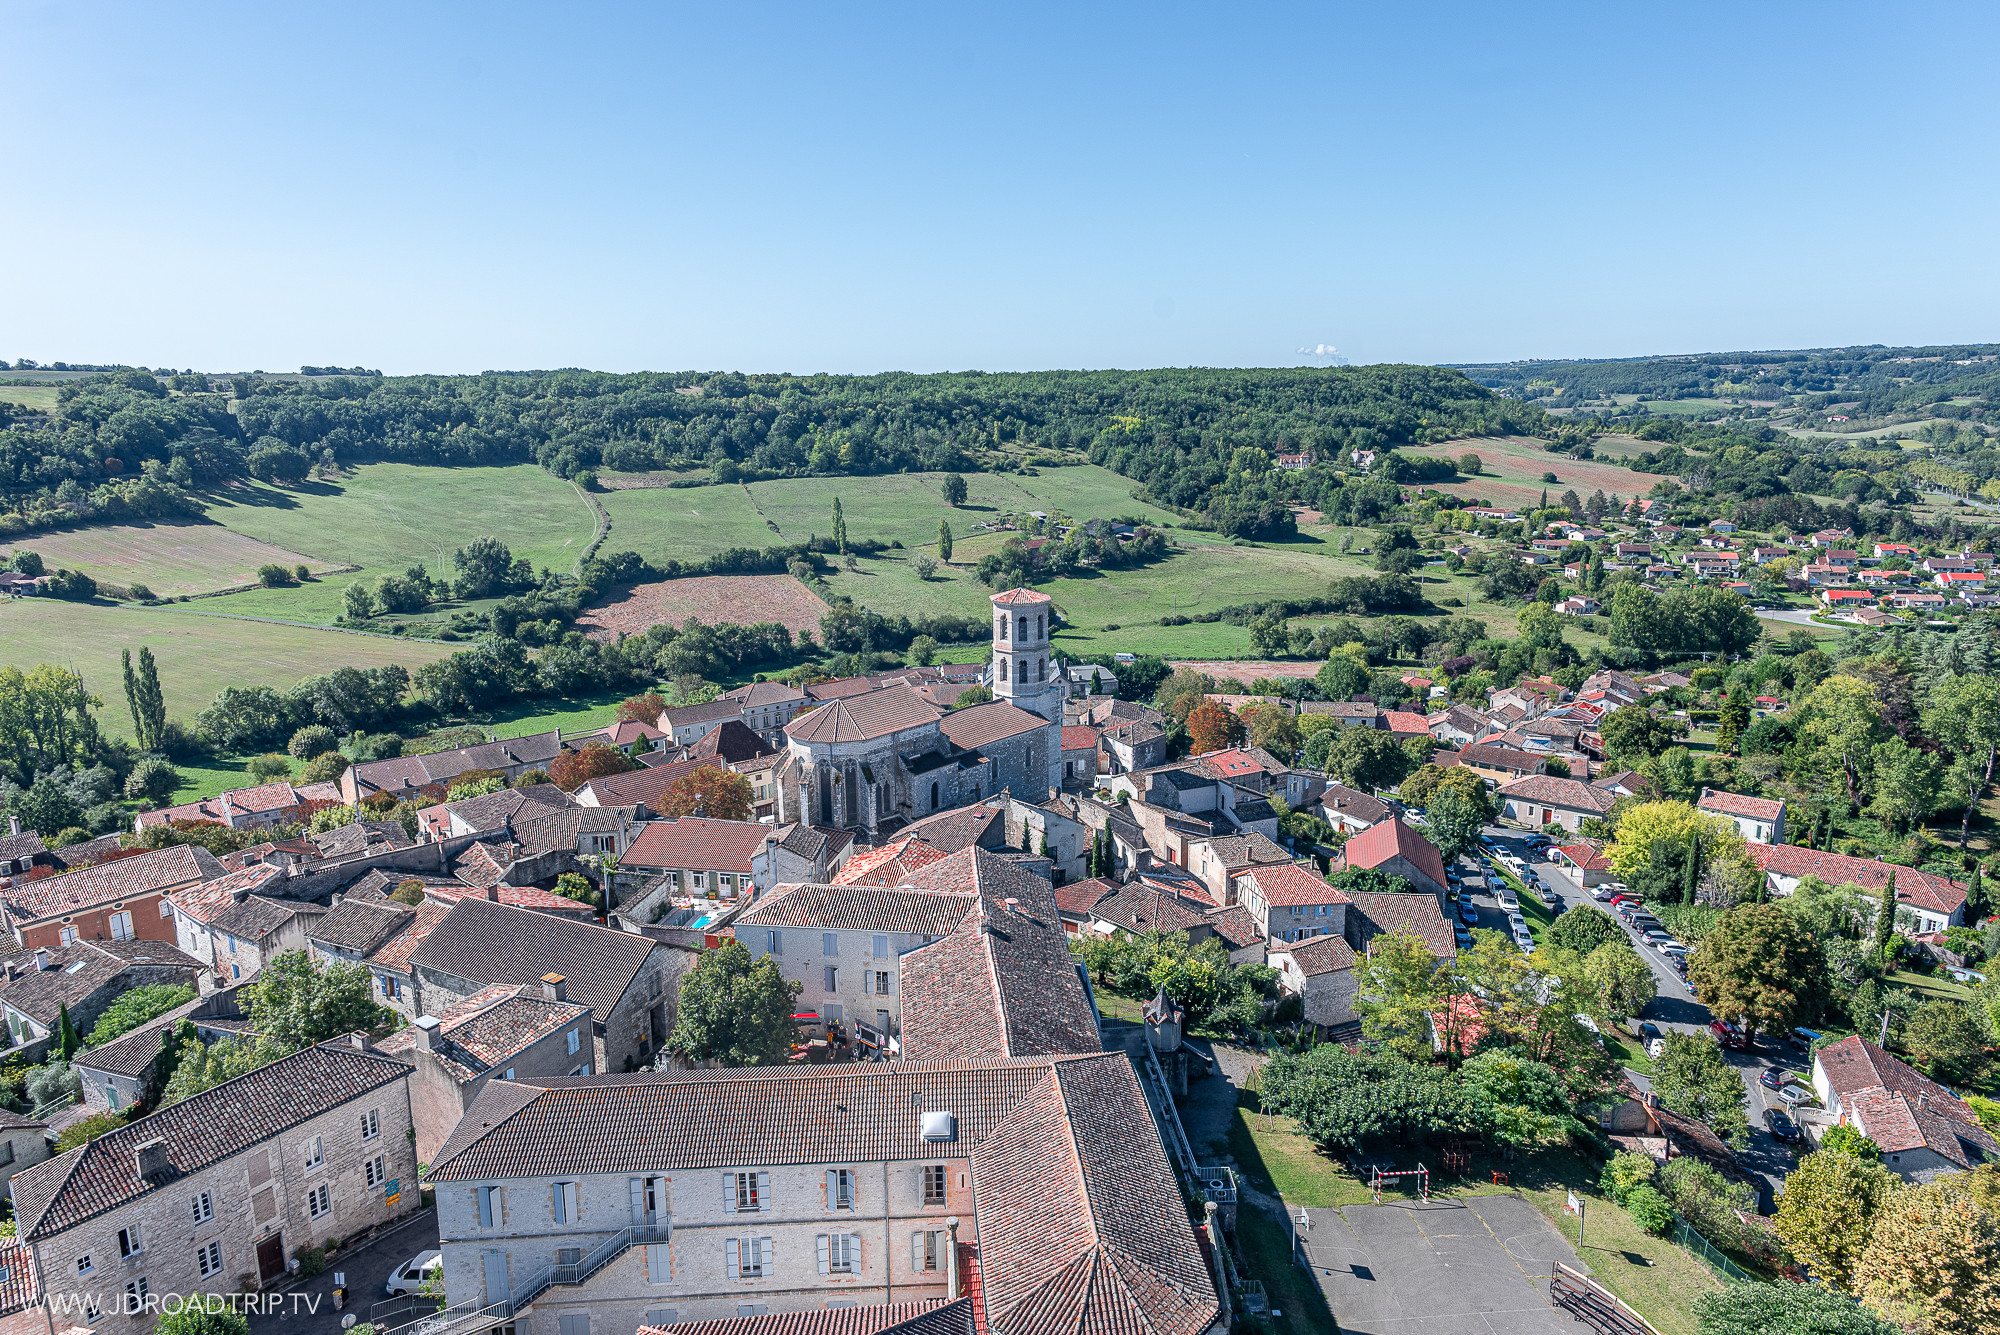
column 1782, row 1128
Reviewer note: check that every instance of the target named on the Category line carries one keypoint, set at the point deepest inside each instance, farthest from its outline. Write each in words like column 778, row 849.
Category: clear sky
column 422, row 187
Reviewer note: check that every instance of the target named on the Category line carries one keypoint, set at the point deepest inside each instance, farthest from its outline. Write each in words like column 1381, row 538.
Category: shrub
column 315, row 739
column 1649, row 1210
column 139, row 593
column 311, row 1261
column 410, row 892
column 377, row 746
column 134, row 1008
column 265, row 768
column 212, row 1314
column 151, row 780
column 1626, row 1172
column 301, row 573
column 86, row 1129
column 273, row 576
column 324, row 768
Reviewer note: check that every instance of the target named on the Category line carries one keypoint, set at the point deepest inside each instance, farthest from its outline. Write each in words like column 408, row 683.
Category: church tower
column 1022, row 673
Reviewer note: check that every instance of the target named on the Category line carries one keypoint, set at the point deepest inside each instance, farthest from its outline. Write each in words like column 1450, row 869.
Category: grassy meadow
column 170, row 558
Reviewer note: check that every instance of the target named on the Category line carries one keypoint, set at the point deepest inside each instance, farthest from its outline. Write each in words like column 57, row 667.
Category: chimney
column 555, row 987
column 41, row 959
column 428, row 1037
column 8, row 968
column 1923, row 1101
column 951, row 1258
column 359, row 1040
column 493, row 894
column 1013, row 905
column 151, row 1161
column 239, row 894
column 13, row 826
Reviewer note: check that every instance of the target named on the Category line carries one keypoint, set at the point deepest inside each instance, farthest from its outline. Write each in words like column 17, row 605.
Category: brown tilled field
column 1514, row 469
column 743, row 599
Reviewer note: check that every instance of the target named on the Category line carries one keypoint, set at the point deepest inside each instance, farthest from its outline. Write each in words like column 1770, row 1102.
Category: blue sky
column 863, row 188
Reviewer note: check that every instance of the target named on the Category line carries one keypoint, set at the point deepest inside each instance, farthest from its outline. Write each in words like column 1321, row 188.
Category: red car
column 1726, row 1034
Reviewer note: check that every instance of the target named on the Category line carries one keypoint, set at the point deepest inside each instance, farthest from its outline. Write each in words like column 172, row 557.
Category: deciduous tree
column 1761, row 968
column 1827, row 1211
column 297, row 1002
column 1211, row 727
column 644, row 708
column 1948, row 1040
column 953, row 490
column 573, row 769
column 711, row 791
column 1784, row 1308
column 1933, row 1260
column 1693, row 1079
column 1652, row 823
column 734, row 1011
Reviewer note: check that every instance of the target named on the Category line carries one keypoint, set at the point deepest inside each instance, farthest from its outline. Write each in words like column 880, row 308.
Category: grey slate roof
column 210, row 1127
column 42, row 993
column 485, row 942
column 360, row 925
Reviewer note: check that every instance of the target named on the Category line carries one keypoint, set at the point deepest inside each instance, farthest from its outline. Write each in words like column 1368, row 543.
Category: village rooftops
column 698, row 843
column 489, row 1027
column 73, row 972
column 1284, row 886
column 860, row 908
column 1391, row 839
column 440, row 767
column 860, row 718
column 1902, row 1108
column 1570, row 794
column 124, row 878
column 490, row 943
column 1735, row 804
column 1919, row 888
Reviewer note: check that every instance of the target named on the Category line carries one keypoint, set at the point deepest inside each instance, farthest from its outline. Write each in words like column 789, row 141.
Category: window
column 934, row 797
column 371, row 1124
column 128, row 1241
column 933, row 1184
column 67, row 936
column 573, row 1041
column 488, row 1201
column 662, row 1316
column 880, row 946
column 507, row 1074
column 7, row 1146
column 829, row 944
column 881, row 983
column 319, row 1200
column 575, row 1323
column 204, row 1209
column 748, row 1258
column 84, row 1265
column 832, row 978
column 840, row 1188
column 565, row 1198
column 208, row 1259
column 839, row 1253
column 121, row 927
column 392, row 988
column 927, row 1250
column 749, row 1309
column 232, row 941
column 659, row 1266
column 135, row 1295
column 569, row 1256
column 166, row 908
column 774, row 942
column 746, row 1193
column 377, row 1172
column 315, row 1155
column 91, row 1311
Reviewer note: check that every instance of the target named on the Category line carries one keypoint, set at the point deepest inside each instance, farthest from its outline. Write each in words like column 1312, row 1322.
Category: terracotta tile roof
column 697, row 842
column 888, row 865
column 488, row 1028
column 733, row 743
column 1018, row 598
column 865, row 717
column 1570, row 794
column 1077, row 898
column 360, row 836
column 1315, row 955
column 396, row 951
column 515, row 896
column 131, row 1054
column 207, row 901
column 1390, row 839
column 20, row 1281
column 860, row 908
column 1500, row 758
column 681, row 716
column 1586, row 857
column 1235, row 926
column 77, row 971
column 200, row 1131
column 1003, row 983
column 643, row 787
column 1404, row 721
column 931, row 1316
column 1418, row 913
column 764, row 693
column 1918, row 888
column 14, row 847
column 983, row 725
column 1144, row 908
column 492, row 943
column 1735, row 804
column 1291, row 884
column 126, row 878
column 1075, row 737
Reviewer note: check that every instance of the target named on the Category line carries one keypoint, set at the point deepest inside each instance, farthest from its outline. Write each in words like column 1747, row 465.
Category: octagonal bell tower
column 1022, row 673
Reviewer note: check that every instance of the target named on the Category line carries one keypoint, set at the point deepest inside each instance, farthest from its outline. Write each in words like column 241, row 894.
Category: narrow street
column 308, row 1308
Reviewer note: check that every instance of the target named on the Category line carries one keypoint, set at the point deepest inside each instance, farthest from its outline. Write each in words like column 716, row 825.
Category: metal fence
column 1711, row 1256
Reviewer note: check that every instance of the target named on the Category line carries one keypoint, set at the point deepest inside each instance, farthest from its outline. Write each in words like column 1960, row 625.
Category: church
column 874, row 763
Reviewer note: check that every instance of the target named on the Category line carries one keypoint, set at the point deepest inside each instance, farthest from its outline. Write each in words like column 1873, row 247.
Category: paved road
column 308, row 1309
column 1797, row 618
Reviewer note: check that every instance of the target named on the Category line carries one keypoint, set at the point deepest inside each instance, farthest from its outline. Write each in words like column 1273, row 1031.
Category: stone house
column 1393, row 847
column 1290, row 903
column 121, row 1072
column 1319, row 970
column 845, row 943
column 1345, row 808
column 1759, row 820
column 1370, row 914
column 765, row 707
column 235, row 931
column 1542, row 800
column 1135, row 744
column 381, row 934
column 221, row 1191
column 800, row 853
column 507, row 1032
column 488, row 811
column 1139, row 907
column 24, row 1142
column 699, row 856
column 406, row 775
column 1936, row 902
column 1220, row 861
column 265, row 805
column 1080, row 747
column 1495, row 764
column 630, row 981
column 35, row 986
column 121, row 900
column 688, row 724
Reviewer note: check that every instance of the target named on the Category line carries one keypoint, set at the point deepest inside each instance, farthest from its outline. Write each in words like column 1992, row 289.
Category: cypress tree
column 67, row 1039
column 1694, row 869
column 1885, row 920
column 1975, row 898
column 132, row 698
column 839, row 527
column 152, row 704
column 944, row 540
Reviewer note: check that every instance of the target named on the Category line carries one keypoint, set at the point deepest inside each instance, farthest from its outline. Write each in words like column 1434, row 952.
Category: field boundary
column 245, row 588
column 603, row 517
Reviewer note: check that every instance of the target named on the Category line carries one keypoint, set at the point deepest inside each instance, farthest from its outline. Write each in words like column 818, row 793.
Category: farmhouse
column 1759, row 820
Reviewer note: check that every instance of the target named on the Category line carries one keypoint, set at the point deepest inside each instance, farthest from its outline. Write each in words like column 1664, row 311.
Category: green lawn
column 1932, row 985
column 30, row 396
column 198, row 654
column 1658, row 1278
column 384, row 517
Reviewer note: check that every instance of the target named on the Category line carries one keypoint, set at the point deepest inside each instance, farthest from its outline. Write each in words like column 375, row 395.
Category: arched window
column 1024, row 628
column 1042, row 671
column 934, row 797
column 1020, row 669
column 1040, row 632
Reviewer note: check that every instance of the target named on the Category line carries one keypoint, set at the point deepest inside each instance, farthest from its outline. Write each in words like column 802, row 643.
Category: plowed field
column 744, row 599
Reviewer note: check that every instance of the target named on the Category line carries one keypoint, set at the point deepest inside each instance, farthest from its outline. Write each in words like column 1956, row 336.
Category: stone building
column 235, row 931
column 506, row 1032
column 122, row 900
column 24, row 1142
column 221, row 1191
column 36, row 986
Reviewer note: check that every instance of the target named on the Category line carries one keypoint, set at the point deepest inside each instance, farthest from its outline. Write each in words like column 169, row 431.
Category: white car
column 418, row 1271
column 1602, row 893
column 1655, row 1048
column 1794, row 1095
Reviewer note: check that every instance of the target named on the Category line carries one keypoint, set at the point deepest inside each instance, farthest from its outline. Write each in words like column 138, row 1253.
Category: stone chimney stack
column 428, row 1036
column 493, row 894
column 41, row 959
column 555, row 987
column 151, row 1161
column 13, row 826
column 951, row 1259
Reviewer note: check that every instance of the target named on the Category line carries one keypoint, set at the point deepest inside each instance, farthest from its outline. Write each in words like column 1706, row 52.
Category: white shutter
column 833, row 1188
column 854, row 1253
column 822, row 1253
column 735, row 1266
column 764, row 1192
column 728, row 1195
column 917, row 1251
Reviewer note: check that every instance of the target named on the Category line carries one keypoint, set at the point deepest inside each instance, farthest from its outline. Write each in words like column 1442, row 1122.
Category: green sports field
column 198, row 654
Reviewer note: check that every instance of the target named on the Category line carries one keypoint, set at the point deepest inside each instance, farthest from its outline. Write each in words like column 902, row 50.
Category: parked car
column 1803, row 1039
column 1469, row 912
column 1771, row 1078
column 1795, row 1095
column 1463, row 938
column 1648, row 1030
column 1781, row 1127
column 1602, row 894
column 413, row 1274
column 1655, row 1048
column 1727, row 1034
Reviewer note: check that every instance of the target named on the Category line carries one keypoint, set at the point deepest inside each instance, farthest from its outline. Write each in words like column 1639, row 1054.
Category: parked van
column 1508, row 898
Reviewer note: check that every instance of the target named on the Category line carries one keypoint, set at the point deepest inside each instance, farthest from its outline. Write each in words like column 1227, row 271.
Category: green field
column 42, row 397
column 170, row 558
column 384, row 517
column 198, row 653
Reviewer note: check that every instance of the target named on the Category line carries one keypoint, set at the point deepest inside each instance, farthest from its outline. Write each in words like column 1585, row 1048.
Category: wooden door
column 270, row 1258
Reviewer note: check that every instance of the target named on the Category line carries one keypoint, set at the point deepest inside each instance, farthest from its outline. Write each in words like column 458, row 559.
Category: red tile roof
column 1289, row 883
column 127, row 878
column 908, row 855
column 1586, row 857
column 1078, row 897
column 1899, row 1107
column 1390, row 839
column 1018, row 598
column 1917, row 888
column 516, row 896
column 697, row 842
column 1735, row 804
column 1404, row 721
column 1571, row 794
column 1078, row 738
column 865, row 717
column 1316, row 955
